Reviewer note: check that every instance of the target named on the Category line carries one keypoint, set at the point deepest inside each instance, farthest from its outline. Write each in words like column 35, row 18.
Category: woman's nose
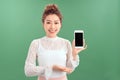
column 52, row 26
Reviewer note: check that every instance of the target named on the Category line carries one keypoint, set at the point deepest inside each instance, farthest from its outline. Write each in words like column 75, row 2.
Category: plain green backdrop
column 20, row 23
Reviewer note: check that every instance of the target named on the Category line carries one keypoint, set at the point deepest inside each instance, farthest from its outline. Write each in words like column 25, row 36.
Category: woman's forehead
column 52, row 17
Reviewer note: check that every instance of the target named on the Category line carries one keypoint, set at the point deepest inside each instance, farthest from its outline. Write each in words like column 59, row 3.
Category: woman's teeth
column 52, row 31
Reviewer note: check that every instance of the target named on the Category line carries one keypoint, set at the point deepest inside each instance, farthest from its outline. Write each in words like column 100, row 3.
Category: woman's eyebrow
column 47, row 20
column 54, row 20
column 57, row 20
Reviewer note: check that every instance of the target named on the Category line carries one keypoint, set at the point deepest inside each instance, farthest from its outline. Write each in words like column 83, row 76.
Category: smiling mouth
column 52, row 31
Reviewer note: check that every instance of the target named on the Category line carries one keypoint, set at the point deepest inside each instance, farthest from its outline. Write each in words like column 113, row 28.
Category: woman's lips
column 52, row 31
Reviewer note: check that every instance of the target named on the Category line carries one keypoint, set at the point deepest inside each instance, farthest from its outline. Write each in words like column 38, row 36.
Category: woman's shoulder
column 35, row 41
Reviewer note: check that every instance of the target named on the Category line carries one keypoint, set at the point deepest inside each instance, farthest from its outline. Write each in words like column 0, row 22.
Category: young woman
column 55, row 55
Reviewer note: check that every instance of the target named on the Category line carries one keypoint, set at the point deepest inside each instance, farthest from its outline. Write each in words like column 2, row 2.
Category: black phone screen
column 78, row 39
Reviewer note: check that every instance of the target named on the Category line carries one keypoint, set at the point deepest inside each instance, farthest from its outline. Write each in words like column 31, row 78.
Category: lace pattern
column 49, row 44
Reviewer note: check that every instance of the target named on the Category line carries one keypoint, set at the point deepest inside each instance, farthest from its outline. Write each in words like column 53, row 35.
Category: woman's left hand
column 62, row 68
column 78, row 50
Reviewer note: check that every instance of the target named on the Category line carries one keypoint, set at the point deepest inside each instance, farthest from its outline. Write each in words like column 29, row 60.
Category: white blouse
column 49, row 52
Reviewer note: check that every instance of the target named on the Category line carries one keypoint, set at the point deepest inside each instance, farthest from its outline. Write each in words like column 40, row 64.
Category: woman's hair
column 51, row 9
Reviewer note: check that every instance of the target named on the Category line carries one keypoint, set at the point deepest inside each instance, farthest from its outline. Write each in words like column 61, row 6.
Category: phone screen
column 78, row 39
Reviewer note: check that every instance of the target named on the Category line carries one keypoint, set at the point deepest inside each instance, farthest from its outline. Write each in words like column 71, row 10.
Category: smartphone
column 78, row 36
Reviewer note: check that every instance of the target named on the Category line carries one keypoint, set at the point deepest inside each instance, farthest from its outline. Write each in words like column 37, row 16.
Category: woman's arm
column 30, row 64
column 72, row 60
column 72, row 55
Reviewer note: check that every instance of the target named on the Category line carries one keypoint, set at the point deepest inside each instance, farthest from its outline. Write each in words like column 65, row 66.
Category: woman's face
column 52, row 25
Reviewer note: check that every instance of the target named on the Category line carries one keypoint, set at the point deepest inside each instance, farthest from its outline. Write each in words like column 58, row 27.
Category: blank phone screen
column 78, row 39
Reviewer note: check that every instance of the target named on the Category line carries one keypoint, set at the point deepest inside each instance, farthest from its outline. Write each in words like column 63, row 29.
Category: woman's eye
column 56, row 23
column 48, row 22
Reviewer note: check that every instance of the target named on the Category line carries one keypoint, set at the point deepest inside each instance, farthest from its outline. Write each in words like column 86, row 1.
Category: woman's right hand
column 61, row 68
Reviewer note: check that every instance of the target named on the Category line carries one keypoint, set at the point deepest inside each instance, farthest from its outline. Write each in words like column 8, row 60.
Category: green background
column 20, row 23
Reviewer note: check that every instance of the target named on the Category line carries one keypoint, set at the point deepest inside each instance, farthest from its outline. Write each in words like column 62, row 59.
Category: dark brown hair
column 51, row 9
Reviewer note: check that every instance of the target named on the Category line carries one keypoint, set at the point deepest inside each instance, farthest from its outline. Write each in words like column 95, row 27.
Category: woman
column 55, row 55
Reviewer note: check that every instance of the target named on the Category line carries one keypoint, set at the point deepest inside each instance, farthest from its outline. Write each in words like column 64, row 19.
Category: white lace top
column 49, row 52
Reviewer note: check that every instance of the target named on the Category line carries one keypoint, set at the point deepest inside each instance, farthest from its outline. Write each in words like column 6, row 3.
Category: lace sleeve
column 30, row 64
column 70, row 62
